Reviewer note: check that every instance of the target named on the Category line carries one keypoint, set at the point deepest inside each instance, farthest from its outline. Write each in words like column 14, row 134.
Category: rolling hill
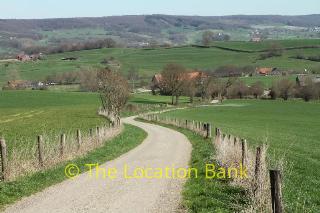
column 16, row 35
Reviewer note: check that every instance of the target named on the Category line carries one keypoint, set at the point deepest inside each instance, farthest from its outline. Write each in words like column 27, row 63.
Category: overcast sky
column 97, row 8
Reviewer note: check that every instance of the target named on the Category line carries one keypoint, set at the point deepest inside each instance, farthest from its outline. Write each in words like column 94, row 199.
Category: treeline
column 315, row 58
column 68, row 46
column 176, row 81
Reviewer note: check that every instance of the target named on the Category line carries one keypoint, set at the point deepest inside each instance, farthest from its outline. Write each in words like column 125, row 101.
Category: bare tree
column 114, row 93
column 274, row 90
column 207, row 37
column 89, row 79
column 309, row 91
column 285, row 88
column 190, row 88
column 237, row 89
column 219, row 89
column 206, row 88
column 173, row 80
column 133, row 76
column 257, row 89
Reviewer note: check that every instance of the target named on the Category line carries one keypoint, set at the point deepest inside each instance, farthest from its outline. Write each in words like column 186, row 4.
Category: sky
column 96, row 8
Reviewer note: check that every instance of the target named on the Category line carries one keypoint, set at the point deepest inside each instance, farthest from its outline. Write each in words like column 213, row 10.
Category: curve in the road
column 162, row 148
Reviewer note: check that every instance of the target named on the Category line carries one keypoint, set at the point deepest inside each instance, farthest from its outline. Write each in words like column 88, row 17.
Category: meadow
column 151, row 61
column 26, row 114
column 291, row 130
column 258, row 46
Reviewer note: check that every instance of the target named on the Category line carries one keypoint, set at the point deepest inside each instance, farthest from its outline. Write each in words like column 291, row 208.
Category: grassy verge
column 291, row 129
column 25, row 186
column 207, row 195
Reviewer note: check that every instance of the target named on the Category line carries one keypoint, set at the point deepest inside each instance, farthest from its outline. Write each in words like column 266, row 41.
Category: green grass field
column 28, row 185
column 256, row 46
column 290, row 128
column 151, row 61
column 148, row 98
column 26, row 114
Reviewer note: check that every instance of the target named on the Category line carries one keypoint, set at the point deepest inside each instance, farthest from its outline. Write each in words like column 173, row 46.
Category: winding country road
column 162, row 148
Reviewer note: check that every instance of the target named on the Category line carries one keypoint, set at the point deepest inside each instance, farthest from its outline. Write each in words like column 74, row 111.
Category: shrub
column 257, row 89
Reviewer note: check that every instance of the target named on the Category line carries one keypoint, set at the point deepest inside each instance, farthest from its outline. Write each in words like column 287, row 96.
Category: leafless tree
column 257, row 89
column 207, row 37
column 237, row 89
column 133, row 76
column 191, row 88
column 89, row 79
column 114, row 93
column 285, row 88
column 173, row 80
column 205, row 88
column 274, row 90
column 309, row 91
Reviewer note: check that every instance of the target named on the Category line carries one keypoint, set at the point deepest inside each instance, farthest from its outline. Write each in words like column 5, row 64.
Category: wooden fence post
column 208, row 130
column 244, row 151
column 276, row 194
column 91, row 131
column 98, row 131
column 224, row 138
column 62, row 144
column 79, row 138
column 235, row 141
column 4, row 159
column 40, row 150
column 258, row 162
column 257, row 171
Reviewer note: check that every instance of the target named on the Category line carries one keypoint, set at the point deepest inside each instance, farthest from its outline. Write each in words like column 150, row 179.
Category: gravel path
column 162, row 148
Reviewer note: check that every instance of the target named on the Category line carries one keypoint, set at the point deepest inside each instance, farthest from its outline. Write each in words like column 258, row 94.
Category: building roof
column 264, row 70
column 189, row 76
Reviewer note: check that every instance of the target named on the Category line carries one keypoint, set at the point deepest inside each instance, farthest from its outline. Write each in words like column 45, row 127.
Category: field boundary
column 255, row 51
column 46, row 153
column 129, row 138
column 263, row 186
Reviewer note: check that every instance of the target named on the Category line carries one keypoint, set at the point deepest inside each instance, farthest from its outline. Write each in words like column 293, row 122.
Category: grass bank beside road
column 291, row 130
column 207, row 195
column 26, row 186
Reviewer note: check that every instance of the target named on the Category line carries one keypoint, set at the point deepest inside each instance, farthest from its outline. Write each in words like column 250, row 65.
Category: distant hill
column 140, row 30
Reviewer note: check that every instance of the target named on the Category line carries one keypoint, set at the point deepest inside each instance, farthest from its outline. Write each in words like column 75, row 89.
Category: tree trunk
column 177, row 100
column 191, row 99
column 172, row 99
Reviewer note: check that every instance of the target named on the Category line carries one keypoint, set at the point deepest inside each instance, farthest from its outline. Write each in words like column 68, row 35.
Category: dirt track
column 162, row 148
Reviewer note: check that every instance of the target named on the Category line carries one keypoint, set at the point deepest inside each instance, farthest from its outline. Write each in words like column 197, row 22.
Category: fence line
column 264, row 187
column 47, row 152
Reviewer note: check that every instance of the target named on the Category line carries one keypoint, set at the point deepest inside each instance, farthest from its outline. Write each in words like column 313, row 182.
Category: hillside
column 17, row 35
column 150, row 61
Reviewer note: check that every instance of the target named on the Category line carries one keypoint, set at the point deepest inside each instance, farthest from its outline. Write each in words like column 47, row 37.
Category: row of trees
column 70, row 46
column 286, row 89
column 176, row 81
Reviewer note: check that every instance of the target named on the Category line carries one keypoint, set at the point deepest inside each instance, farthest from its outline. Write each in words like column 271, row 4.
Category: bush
column 237, row 90
column 310, row 91
column 283, row 88
column 257, row 89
